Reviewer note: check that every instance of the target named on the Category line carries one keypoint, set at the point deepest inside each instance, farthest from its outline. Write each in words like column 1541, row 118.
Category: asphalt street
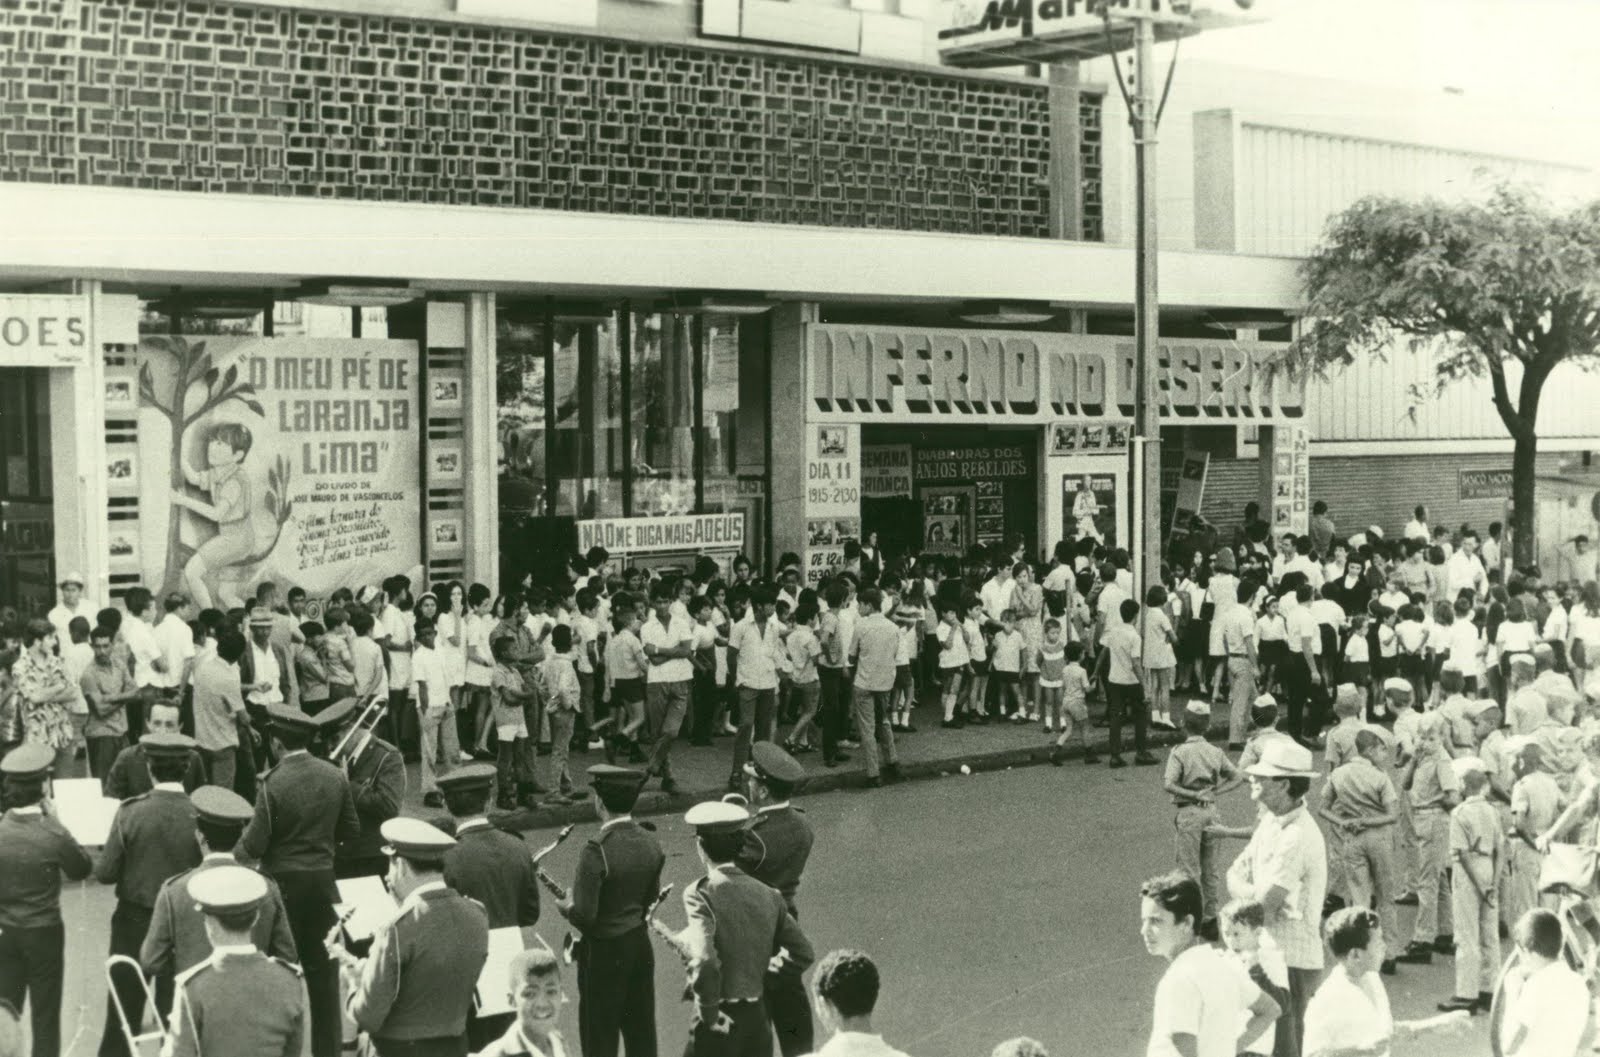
column 997, row 905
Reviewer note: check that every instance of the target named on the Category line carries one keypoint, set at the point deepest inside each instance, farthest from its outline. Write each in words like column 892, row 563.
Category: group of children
column 1440, row 804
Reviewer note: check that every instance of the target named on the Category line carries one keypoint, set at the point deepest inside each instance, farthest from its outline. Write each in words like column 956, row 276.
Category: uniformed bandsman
column 177, row 939
column 130, row 771
column 538, row 996
column 303, row 809
column 36, row 852
column 238, row 1002
column 489, row 865
column 737, row 928
column 777, row 845
column 619, row 874
column 412, row 993
column 377, row 775
column 152, row 838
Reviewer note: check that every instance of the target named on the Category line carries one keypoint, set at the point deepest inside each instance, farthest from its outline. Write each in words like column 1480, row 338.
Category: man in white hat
column 73, row 604
column 1285, row 867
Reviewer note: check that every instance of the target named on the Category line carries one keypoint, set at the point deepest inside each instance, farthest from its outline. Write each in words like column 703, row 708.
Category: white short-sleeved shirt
column 676, row 632
column 475, row 639
column 952, row 646
column 1551, row 1005
column 175, row 640
column 1008, row 651
column 1126, row 648
column 397, row 628
column 760, row 653
column 1287, row 851
column 997, row 596
column 584, row 631
column 1302, row 625
column 1205, row 993
column 427, row 667
column 1348, row 1014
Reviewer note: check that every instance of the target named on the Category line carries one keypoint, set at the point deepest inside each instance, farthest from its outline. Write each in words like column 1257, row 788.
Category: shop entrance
column 943, row 489
column 27, row 514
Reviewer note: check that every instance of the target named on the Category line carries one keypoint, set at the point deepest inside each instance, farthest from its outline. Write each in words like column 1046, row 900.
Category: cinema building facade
column 311, row 292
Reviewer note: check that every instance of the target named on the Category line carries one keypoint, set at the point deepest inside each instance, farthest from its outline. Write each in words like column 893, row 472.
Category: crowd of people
column 1456, row 700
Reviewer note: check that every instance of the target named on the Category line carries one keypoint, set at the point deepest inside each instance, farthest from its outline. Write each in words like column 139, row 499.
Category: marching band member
column 36, row 852
column 776, row 848
column 619, row 871
column 489, row 866
column 739, row 929
column 177, row 939
column 413, row 991
column 130, row 771
column 303, row 808
column 238, row 1002
column 377, row 776
column 152, row 838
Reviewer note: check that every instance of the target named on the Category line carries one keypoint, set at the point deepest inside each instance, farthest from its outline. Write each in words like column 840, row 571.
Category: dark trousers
column 1125, row 700
column 129, row 923
column 789, row 1009
column 1302, row 985
column 309, row 897
column 749, row 1036
column 617, row 995
column 102, row 751
column 830, row 709
column 702, row 707
column 1297, row 688
column 31, row 965
column 403, row 723
column 758, row 714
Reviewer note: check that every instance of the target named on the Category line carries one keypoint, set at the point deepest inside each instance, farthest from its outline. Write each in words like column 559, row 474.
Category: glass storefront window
column 586, row 448
column 663, row 383
column 519, row 395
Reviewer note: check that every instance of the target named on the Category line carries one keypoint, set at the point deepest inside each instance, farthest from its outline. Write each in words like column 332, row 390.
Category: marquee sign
column 871, row 374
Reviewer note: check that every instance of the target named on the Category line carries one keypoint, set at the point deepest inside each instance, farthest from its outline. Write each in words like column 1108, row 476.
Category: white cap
column 1397, row 684
column 1262, row 700
column 71, row 578
column 1197, row 707
column 1462, row 764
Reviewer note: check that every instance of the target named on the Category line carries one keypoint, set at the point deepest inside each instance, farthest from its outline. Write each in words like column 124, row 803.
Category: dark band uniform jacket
column 36, row 852
column 496, row 869
column 130, row 774
column 295, row 830
column 177, row 938
column 377, row 785
column 238, row 1003
column 152, row 838
column 776, row 848
column 736, row 925
column 619, row 873
column 418, row 980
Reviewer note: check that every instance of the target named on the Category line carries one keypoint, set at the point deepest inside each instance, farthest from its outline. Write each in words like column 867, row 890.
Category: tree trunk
column 1524, row 467
column 172, row 576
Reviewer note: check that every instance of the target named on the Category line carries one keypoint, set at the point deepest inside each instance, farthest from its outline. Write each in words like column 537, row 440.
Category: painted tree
column 192, row 365
column 1505, row 288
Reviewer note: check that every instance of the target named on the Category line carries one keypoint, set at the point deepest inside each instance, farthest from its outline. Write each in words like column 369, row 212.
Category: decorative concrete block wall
column 190, row 95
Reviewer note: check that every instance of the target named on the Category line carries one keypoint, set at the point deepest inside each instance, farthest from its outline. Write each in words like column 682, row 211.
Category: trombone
column 371, row 715
column 136, row 1041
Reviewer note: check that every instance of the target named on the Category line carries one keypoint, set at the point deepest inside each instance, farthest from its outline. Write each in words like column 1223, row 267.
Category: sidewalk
column 702, row 772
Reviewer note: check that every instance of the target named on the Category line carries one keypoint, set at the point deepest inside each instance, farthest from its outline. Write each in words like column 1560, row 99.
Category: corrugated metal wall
column 1371, row 490
column 1291, row 180
column 1372, row 400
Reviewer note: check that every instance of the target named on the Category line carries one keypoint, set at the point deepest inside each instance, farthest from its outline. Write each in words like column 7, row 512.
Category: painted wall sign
column 43, row 330
column 640, row 535
column 286, row 459
column 832, row 496
column 868, row 374
column 1483, row 484
column 886, row 471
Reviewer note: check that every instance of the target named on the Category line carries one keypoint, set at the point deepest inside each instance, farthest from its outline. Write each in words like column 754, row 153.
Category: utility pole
column 1146, row 307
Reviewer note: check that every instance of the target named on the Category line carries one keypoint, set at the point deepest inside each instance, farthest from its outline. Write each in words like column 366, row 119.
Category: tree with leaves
column 1505, row 288
column 192, row 367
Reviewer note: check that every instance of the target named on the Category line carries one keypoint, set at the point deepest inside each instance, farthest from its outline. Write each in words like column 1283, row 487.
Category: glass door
column 27, row 515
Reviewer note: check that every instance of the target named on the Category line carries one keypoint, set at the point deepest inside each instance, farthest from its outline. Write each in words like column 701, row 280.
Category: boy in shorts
column 508, row 695
column 1074, row 705
column 1006, row 667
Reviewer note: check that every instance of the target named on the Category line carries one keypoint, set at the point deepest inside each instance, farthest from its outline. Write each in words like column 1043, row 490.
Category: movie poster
column 1089, row 501
column 287, row 459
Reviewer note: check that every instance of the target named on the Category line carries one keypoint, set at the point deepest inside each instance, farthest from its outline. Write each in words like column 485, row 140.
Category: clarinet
column 555, row 887
column 674, row 942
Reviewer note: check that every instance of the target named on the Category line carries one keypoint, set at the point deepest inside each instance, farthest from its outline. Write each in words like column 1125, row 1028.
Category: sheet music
column 374, row 906
column 494, row 990
column 84, row 809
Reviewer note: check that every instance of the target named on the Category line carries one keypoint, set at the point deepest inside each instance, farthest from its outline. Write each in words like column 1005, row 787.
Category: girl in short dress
column 227, row 444
column 1222, row 594
column 1051, row 663
column 1028, row 604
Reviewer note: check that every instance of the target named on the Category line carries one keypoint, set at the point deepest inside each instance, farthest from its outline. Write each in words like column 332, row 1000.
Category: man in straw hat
column 1285, row 866
column 414, row 990
column 32, row 936
column 239, row 1001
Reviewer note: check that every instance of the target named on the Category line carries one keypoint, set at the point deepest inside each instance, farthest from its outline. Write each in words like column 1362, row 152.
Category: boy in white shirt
column 953, row 658
column 1546, row 1006
column 1007, row 665
column 431, row 688
column 586, row 650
